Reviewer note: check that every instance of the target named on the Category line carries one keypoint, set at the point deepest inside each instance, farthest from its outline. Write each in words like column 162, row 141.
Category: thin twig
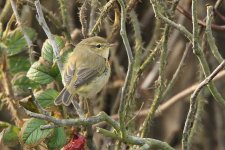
column 123, row 31
column 218, row 3
column 200, row 22
column 94, row 6
column 219, row 14
column 162, row 67
column 174, row 78
column 64, row 14
column 83, row 18
column 25, row 34
column 123, row 34
column 122, row 113
column 210, row 38
column 188, row 128
column 102, row 116
column 38, row 105
column 42, row 22
column 103, row 14
column 13, row 105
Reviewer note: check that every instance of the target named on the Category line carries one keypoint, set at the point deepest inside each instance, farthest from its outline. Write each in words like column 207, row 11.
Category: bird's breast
column 90, row 89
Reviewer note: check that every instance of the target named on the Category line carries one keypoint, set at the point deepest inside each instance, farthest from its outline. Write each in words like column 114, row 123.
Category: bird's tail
column 64, row 97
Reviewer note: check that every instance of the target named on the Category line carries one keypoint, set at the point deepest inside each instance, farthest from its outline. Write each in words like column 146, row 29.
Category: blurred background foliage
column 19, row 72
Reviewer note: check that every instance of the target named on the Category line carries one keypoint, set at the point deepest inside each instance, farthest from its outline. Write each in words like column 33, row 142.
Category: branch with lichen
column 202, row 59
column 186, row 141
column 101, row 117
column 198, row 52
column 132, row 83
column 209, row 35
column 133, row 140
column 42, row 22
column 188, row 128
column 161, row 78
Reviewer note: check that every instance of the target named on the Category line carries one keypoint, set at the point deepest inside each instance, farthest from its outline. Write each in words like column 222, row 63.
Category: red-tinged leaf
column 76, row 143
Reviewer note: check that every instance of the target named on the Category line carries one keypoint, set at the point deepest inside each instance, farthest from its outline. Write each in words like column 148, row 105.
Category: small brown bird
column 86, row 71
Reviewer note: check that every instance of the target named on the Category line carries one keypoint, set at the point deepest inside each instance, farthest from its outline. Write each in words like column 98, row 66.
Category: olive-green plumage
column 86, row 71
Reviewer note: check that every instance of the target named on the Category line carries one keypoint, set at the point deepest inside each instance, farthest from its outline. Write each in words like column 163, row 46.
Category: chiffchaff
column 86, row 71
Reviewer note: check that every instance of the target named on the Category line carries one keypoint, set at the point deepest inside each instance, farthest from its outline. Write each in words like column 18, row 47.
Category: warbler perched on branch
column 86, row 71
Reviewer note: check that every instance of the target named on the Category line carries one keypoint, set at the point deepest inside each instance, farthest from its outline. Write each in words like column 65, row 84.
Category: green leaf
column 16, row 42
column 38, row 72
column 47, row 51
column 58, row 139
column 46, row 98
column 22, row 82
column 18, row 63
column 10, row 136
column 31, row 133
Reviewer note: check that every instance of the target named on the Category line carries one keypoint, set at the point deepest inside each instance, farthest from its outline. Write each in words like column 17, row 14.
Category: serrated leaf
column 47, row 50
column 18, row 63
column 46, row 98
column 58, row 139
column 31, row 133
column 38, row 72
column 16, row 42
column 22, row 82
column 10, row 136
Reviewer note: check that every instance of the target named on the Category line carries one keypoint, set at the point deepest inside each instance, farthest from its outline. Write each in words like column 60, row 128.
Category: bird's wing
column 68, row 73
column 87, row 73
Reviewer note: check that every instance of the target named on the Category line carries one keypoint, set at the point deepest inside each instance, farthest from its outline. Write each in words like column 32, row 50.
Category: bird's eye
column 98, row 45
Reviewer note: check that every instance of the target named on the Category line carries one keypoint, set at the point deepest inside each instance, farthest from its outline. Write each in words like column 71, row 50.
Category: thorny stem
column 25, row 34
column 64, row 14
column 186, row 141
column 10, row 99
column 83, row 18
column 191, row 114
column 123, row 32
column 188, row 129
column 210, row 37
column 163, row 60
column 103, row 14
column 175, row 76
column 125, row 87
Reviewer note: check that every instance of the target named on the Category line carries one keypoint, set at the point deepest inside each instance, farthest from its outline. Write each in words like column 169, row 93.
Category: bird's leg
column 89, row 106
column 77, row 107
column 89, row 131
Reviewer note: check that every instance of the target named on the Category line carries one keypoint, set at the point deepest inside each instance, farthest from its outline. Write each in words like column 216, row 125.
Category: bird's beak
column 113, row 44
